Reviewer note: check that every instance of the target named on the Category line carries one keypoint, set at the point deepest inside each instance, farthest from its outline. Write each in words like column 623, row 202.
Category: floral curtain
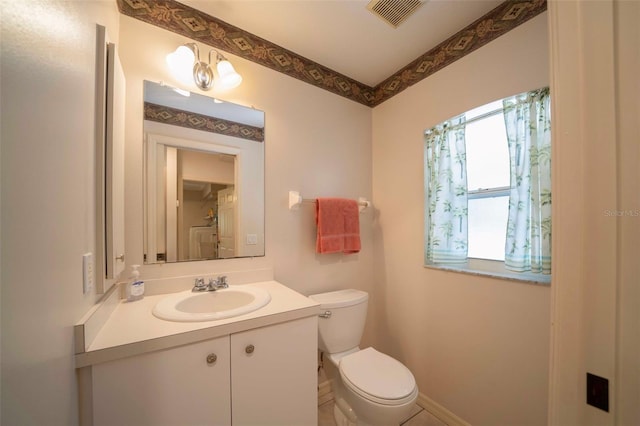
column 528, row 125
column 446, row 193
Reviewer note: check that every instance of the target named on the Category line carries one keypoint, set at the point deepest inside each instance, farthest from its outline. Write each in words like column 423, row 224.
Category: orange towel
column 338, row 221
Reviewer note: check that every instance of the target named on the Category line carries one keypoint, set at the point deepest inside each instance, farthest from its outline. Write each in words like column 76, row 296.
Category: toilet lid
column 377, row 376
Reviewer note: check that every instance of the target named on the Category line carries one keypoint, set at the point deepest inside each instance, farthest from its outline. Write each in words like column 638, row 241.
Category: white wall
column 315, row 142
column 478, row 346
column 48, row 199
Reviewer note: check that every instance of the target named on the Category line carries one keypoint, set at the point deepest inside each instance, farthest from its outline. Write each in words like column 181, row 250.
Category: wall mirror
column 203, row 177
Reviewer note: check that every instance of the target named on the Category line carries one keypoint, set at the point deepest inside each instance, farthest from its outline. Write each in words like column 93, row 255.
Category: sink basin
column 211, row 305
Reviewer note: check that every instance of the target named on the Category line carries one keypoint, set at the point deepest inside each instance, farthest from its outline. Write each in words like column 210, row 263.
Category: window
column 487, row 188
column 487, row 181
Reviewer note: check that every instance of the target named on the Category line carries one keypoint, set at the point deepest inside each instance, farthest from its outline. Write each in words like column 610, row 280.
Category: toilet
column 369, row 387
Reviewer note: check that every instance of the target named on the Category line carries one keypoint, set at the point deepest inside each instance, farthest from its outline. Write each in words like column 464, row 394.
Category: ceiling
column 344, row 35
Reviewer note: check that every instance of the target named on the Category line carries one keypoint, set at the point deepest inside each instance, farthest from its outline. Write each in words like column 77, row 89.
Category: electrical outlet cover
column 598, row 392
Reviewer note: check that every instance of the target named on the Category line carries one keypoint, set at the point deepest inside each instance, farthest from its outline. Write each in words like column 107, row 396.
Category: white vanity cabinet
column 187, row 385
column 263, row 376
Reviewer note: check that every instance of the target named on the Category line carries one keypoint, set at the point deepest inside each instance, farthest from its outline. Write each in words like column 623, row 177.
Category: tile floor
column 419, row 417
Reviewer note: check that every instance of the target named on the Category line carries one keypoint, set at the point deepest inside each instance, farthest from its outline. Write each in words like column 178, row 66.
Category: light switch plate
column 252, row 239
column 87, row 272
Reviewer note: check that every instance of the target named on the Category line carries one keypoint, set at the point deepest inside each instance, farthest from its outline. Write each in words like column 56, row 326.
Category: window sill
column 493, row 269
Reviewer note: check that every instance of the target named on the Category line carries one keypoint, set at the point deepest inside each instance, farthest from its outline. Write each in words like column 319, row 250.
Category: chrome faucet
column 214, row 284
column 199, row 285
column 217, row 283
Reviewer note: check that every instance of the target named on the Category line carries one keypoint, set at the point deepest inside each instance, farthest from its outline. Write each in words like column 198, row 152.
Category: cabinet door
column 273, row 375
column 172, row 387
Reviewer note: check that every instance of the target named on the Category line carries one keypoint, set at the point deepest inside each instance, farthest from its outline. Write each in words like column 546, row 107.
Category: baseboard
column 439, row 411
column 446, row 416
column 324, row 392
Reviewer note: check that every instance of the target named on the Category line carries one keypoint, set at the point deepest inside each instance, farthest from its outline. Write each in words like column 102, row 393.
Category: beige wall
column 48, row 199
column 477, row 346
column 316, row 143
column 205, row 168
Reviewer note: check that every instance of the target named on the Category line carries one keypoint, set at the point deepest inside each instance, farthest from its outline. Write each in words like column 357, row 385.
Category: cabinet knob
column 120, row 257
column 249, row 349
column 211, row 358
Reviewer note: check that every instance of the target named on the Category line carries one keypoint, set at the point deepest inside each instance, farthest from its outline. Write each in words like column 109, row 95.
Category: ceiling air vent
column 394, row 12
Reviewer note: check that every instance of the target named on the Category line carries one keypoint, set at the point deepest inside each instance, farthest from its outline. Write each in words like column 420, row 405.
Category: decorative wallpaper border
column 196, row 25
column 192, row 120
column 497, row 22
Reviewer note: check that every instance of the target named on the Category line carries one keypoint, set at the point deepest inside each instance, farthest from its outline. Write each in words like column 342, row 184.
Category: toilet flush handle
column 325, row 314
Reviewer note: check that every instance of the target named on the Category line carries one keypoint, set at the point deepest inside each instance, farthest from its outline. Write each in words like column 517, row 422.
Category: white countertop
column 132, row 329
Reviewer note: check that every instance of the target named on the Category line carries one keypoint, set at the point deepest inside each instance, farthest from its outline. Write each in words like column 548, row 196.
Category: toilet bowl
column 380, row 389
column 370, row 388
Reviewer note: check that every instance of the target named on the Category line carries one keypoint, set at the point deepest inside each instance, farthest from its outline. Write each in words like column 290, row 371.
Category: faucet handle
column 199, row 285
column 216, row 283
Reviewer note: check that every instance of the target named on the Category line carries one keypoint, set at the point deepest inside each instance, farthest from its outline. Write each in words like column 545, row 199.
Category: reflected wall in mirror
column 204, row 177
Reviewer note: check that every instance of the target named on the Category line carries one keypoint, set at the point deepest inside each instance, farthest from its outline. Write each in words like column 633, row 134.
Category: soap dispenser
column 135, row 286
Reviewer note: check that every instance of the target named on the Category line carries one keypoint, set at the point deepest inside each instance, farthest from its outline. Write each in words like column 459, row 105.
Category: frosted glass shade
column 180, row 64
column 228, row 78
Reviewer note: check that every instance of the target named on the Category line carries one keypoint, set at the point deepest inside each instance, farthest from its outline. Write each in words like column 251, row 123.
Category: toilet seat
column 378, row 377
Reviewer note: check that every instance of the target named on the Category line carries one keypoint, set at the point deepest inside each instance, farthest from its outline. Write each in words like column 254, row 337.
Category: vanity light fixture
column 187, row 67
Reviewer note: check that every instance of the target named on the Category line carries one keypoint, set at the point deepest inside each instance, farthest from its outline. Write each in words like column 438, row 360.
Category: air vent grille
column 394, row 12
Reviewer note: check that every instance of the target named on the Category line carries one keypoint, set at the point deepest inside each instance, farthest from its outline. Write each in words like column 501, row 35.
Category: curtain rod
column 485, row 115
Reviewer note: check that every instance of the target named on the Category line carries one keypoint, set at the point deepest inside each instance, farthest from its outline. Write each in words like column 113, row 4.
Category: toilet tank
column 342, row 329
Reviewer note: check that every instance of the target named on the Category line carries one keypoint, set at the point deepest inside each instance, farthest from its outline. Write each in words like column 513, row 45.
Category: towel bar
column 295, row 199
